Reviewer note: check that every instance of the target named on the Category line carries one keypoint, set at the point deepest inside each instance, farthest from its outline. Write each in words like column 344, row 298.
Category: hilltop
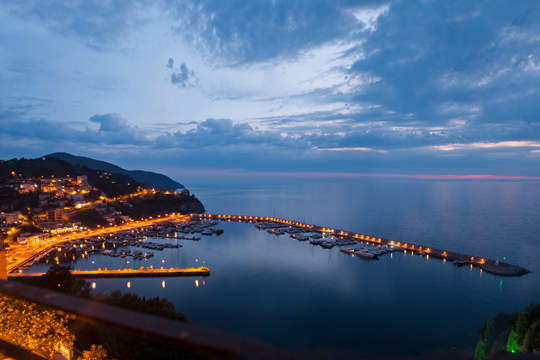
column 148, row 178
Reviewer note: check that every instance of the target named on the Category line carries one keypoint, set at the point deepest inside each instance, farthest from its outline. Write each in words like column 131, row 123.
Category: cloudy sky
column 312, row 88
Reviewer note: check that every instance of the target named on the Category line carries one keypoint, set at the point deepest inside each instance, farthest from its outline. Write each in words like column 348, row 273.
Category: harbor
column 369, row 245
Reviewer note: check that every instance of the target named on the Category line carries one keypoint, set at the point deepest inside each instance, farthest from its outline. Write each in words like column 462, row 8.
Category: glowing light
column 197, row 283
column 163, row 284
column 93, row 285
column 128, row 284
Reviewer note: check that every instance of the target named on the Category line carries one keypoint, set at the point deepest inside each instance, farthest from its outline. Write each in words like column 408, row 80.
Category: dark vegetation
column 117, row 344
column 159, row 204
column 111, row 184
column 150, row 179
column 89, row 217
column 19, row 202
column 515, row 333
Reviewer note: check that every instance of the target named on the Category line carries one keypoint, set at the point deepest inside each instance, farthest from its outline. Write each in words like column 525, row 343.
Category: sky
column 262, row 89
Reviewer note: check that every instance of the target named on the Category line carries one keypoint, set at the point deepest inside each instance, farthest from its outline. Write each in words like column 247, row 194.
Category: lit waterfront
column 318, row 298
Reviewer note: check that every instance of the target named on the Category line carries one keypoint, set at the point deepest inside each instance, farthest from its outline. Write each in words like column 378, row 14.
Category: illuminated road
column 51, row 242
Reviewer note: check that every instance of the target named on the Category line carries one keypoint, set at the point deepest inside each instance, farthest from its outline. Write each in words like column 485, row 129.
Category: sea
column 305, row 299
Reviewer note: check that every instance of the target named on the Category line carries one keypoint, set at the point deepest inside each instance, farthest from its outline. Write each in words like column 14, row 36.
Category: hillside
column 150, row 179
column 112, row 185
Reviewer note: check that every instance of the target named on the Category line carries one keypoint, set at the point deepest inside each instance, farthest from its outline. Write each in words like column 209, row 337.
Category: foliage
column 532, row 336
column 512, row 333
column 495, row 333
column 479, row 353
column 159, row 204
column 59, row 278
column 529, row 315
column 153, row 306
column 512, row 345
column 32, row 327
column 95, row 353
column 126, row 347
column 89, row 217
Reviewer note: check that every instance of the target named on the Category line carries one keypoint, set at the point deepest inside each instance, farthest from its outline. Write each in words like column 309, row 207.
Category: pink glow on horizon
column 237, row 173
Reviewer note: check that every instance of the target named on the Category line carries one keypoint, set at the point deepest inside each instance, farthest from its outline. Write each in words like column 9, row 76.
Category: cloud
column 213, row 133
column 183, row 77
column 99, row 25
column 114, row 130
column 241, row 32
column 110, row 122
column 170, row 63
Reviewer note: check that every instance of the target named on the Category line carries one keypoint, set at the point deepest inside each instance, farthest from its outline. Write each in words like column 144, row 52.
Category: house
column 82, row 180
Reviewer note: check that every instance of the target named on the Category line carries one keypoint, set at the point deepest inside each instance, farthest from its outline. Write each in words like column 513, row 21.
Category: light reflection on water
column 303, row 297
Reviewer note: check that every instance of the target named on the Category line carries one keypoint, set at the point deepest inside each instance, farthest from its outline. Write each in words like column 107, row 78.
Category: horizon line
column 240, row 173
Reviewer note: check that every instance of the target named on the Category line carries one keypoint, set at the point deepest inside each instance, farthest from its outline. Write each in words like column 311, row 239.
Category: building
column 13, row 217
column 82, row 180
column 75, row 197
column 185, row 192
column 59, row 215
column 27, row 238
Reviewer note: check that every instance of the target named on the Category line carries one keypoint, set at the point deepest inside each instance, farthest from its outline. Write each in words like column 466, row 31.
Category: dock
column 488, row 265
column 127, row 273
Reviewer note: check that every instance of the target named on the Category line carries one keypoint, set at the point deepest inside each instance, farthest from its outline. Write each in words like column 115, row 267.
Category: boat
column 365, row 254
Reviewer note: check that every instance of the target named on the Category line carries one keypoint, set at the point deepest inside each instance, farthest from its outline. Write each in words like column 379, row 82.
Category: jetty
column 127, row 273
column 488, row 265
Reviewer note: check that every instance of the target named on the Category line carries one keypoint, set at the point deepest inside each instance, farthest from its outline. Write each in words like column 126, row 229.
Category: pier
column 485, row 264
column 127, row 273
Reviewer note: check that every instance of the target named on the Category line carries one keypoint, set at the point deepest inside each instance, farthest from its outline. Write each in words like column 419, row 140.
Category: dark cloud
column 183, row 77
column 439, row 61
column 225, row 133
column 237, row 32
column 170, row 63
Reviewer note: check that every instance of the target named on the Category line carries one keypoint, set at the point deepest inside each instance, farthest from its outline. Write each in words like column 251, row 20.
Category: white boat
column 364, row 254
column 347, row 250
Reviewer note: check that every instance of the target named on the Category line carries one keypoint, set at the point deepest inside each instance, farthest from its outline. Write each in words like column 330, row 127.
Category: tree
column 32, row 327
column 529, row 315
column 59, row 278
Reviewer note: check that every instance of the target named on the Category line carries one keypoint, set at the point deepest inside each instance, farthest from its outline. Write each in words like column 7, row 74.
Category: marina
column 371, row 247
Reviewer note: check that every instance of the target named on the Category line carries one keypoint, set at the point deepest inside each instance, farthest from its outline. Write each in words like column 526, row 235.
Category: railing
column 190, row 337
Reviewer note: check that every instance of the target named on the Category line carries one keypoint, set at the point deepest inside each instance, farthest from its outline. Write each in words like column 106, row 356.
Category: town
column 37, row 209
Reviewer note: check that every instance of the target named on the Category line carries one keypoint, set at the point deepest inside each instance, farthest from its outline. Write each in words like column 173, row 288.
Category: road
column 37, row 249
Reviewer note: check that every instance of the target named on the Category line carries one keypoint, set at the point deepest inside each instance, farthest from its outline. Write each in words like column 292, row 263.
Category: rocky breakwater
column 503, row 269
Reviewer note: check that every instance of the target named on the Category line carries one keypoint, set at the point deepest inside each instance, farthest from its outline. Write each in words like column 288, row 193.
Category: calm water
column 304, row 298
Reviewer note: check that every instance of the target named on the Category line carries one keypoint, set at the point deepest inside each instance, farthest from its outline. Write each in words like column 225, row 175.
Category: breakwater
column 127, row 273
column 488, row 265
